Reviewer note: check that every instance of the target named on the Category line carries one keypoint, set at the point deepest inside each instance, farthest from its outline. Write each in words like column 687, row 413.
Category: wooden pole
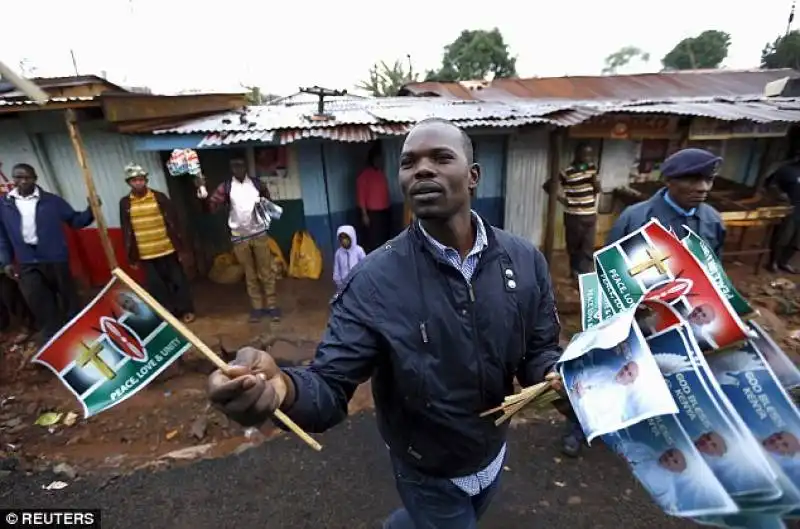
column 102, row 229
column 552, row 198
column 27, row 87
column 203, row 348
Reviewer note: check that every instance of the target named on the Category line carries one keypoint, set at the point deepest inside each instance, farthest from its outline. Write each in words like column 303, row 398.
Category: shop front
column 628, row 149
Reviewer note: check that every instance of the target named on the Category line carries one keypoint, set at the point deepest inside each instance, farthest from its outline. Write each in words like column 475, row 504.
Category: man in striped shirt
column 578, row 194
column 151, row 235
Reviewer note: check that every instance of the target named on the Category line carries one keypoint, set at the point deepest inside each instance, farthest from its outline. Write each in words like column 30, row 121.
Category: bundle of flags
column 673, row 374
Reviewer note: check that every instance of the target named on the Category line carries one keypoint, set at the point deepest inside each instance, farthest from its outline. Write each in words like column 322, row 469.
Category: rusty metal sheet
column 691, row 83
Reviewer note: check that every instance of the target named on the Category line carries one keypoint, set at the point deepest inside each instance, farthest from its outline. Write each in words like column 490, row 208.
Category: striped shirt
column 472, row 484
column 578, row 183
column 149, row 228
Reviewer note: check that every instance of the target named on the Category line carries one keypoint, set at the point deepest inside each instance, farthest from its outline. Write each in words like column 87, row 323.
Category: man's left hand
column 555, row 382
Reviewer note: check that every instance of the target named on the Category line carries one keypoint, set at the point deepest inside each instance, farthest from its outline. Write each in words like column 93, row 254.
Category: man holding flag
column 443, row 317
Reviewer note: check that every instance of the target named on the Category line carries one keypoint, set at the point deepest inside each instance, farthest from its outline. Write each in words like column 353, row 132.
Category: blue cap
column 688, row 162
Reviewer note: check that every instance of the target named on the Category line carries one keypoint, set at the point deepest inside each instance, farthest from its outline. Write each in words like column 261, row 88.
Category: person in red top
column 372, row 192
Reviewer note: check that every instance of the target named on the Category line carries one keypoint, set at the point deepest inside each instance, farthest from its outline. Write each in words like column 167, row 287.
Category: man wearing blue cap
column 688, row 177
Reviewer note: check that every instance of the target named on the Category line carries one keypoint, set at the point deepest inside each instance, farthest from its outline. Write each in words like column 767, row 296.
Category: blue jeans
column 435, row 503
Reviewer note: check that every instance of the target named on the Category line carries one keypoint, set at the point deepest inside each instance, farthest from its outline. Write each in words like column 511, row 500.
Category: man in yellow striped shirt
column 578, row 194
column 152, row 238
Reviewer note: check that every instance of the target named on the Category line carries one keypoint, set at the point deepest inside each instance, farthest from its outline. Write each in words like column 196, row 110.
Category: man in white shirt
column 249, row 235
column 32, row 234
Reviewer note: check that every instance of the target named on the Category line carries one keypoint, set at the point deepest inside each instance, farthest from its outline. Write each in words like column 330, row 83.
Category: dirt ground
column 171, row 414
column 170, row 421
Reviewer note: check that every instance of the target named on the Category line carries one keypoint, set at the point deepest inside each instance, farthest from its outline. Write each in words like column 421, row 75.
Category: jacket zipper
column 481, row 381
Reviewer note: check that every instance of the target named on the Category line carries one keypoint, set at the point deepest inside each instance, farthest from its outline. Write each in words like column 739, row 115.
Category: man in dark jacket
column 32, row 233
column 688, row 177
column 152, row 237
column 442, row 317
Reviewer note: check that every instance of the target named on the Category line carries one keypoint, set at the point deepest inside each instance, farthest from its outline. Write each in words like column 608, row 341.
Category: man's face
column 584, row 154
column 138, row 184
column 701, row 315
column 238, row 169
column 345, row 241
column 628, row 374
column 435, row 175
column 690, row 191
column 24, row 180
column 712, row 444
column 782, row 443
column 673, row 460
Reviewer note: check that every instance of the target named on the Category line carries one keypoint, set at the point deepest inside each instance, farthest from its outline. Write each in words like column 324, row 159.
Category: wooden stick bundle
column 540, row 394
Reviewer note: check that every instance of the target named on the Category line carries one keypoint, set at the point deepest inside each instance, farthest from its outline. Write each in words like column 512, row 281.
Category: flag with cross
column 112, row 349
column 595, row 306
column 651, row 263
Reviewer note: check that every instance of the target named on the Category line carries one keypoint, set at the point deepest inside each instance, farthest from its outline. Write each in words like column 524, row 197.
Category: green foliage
column 386, row 81
column 474, row 55
column 706, row 50
column 783, row 53
column 623, row 57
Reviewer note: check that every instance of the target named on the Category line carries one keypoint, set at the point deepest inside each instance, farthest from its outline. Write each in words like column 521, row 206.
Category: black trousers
column 380, row 228
column 167, row 282
column 786, row 239
column 13, row 306
column 579, row 231
column 50, row 289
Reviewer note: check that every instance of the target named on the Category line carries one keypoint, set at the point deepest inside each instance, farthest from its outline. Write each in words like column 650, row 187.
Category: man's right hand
column 251, row 390
column 199, row 181
column 11, row 271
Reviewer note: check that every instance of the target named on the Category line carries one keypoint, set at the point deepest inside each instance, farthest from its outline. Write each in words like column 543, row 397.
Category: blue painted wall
column 336, row 165
column 328, row 173
column 489, row 201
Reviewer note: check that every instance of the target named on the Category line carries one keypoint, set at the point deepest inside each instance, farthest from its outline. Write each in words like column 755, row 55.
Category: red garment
column 372, row 190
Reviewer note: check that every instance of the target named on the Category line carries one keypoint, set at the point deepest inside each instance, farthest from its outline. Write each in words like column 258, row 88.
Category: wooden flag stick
column 102, row 229
column 203, row 348
column 29, row 88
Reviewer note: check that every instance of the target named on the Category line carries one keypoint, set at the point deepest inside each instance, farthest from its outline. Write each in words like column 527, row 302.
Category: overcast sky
column 172, row 45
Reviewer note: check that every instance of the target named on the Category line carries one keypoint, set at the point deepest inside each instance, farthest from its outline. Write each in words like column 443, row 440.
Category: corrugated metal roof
column 367, row 119
column 377, row 111
column 370, row 111
column 687, row 83
column 758, row 112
